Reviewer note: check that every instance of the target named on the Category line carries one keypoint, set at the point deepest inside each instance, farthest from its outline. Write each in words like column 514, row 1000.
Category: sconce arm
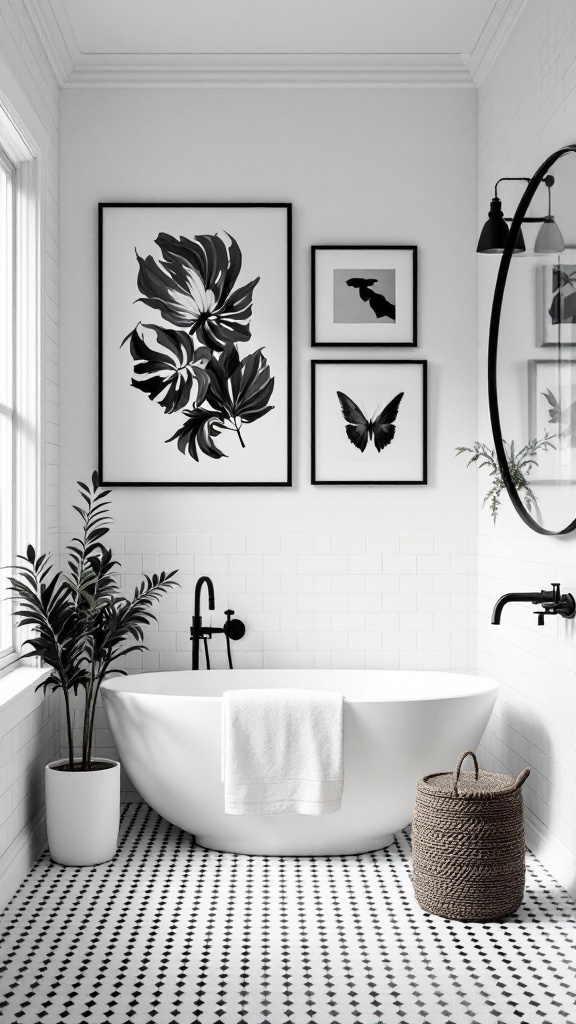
column 507, row 179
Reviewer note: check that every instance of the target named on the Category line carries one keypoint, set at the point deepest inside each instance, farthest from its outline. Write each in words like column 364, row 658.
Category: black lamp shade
column 495, row 232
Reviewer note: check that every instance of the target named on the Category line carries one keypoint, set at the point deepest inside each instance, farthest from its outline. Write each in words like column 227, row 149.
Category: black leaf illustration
column 198, row 432
column 240, row 389
column 192, row 288
column 167, row 366
column 251, row 386
column 193, row 367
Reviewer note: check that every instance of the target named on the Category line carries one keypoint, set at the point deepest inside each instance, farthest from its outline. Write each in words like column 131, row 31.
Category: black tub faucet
column 197, row 632
column 233, row 629
column 552, row 602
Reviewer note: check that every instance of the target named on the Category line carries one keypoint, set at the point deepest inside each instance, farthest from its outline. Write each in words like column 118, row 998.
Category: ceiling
column 364, row 42
column 271, row 26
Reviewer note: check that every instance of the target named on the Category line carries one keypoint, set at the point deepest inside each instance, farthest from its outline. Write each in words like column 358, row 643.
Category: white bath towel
column 282, row 751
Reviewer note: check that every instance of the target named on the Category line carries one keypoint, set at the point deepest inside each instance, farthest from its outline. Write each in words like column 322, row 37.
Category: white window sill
column 18, row 694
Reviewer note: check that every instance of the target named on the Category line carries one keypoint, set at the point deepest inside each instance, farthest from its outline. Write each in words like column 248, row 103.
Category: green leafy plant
column 81, row 622
column 520, row 464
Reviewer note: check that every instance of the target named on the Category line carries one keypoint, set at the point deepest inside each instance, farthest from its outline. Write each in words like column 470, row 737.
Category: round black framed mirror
column 532, row 350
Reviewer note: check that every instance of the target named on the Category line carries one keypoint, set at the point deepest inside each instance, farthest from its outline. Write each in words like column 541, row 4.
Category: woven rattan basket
column 468, row 843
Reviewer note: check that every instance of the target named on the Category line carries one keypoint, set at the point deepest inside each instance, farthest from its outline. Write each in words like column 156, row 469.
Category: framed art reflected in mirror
column 558, row 290
column 552, row 415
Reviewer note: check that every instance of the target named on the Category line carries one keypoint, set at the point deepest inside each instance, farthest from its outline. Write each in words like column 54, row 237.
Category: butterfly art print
column 369, row 421
column 361, row 430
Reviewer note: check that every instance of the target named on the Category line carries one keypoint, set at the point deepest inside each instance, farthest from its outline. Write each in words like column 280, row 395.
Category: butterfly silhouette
column 361, row 430
column 565, row 418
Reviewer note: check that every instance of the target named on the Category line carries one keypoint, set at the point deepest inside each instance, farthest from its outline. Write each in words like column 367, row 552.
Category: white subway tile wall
column 527, row 109
column 28, row 740
column 310, row 601
column 354, row 600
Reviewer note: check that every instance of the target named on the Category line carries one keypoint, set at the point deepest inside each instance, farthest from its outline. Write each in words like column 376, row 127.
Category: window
column 7, row 339
column 20, row 362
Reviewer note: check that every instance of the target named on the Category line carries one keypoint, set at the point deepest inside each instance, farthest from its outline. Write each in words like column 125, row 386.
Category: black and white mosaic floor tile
column 170, row 933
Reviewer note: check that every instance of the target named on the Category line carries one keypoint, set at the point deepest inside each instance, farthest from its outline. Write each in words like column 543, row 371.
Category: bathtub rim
column 483, row 684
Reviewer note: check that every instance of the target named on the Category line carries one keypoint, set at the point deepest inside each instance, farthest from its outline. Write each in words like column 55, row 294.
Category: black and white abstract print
column 194, row 368
column 364, row 295
column 202, row 349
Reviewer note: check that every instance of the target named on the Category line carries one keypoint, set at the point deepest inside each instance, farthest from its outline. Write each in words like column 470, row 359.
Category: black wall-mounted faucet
column 233, row 629
column 552, row 601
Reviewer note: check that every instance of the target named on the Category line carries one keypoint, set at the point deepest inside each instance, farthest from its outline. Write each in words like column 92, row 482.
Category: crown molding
column 63, row 58
column 493, row 38
column 278, row 70
column 75, row 69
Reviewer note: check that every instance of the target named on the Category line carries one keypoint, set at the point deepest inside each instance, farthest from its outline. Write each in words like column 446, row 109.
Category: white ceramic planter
column 82, row 813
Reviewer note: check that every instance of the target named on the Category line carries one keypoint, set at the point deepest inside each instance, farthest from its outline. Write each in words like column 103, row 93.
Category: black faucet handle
column 234, row 629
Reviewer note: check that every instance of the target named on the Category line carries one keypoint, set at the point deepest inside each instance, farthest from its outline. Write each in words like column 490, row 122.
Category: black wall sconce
column 495, row 232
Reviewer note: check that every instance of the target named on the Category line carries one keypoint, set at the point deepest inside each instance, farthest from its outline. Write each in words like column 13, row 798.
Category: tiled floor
column 169, row 933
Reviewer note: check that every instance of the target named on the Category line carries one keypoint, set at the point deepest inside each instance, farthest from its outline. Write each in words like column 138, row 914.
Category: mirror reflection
column 536, row 359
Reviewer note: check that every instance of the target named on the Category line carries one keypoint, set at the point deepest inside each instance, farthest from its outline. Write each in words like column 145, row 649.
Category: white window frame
column 7, row 483
column 27, row 349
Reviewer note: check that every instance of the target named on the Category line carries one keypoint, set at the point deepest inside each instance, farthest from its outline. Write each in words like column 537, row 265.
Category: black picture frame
column 316, row 364
column 560, row 334
column 536, row 370
column 354, row 330
column 257, row 206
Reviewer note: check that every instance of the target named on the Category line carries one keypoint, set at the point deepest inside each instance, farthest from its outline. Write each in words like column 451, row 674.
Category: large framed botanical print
column 195, row 344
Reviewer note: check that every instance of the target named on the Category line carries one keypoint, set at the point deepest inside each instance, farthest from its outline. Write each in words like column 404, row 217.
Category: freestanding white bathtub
column 398, row 726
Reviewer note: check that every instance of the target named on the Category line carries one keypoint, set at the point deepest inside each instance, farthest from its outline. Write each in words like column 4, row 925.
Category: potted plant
column 81, row 625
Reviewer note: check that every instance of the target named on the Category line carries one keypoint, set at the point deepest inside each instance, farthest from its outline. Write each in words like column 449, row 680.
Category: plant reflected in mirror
column 520, row 463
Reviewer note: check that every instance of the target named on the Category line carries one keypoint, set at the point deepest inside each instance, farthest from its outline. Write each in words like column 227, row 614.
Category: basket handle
column 460, row 762
column 522, row 778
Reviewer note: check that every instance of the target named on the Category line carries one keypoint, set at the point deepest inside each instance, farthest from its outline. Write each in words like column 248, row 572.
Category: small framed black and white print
column 364, row 295
column 552, row 414
column 558, row 290
column 369, row 421
column 194, row 344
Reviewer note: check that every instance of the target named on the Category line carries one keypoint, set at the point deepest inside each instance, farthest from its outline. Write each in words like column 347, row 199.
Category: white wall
column 340, row 576
column 29, row 725
column 527, row 109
